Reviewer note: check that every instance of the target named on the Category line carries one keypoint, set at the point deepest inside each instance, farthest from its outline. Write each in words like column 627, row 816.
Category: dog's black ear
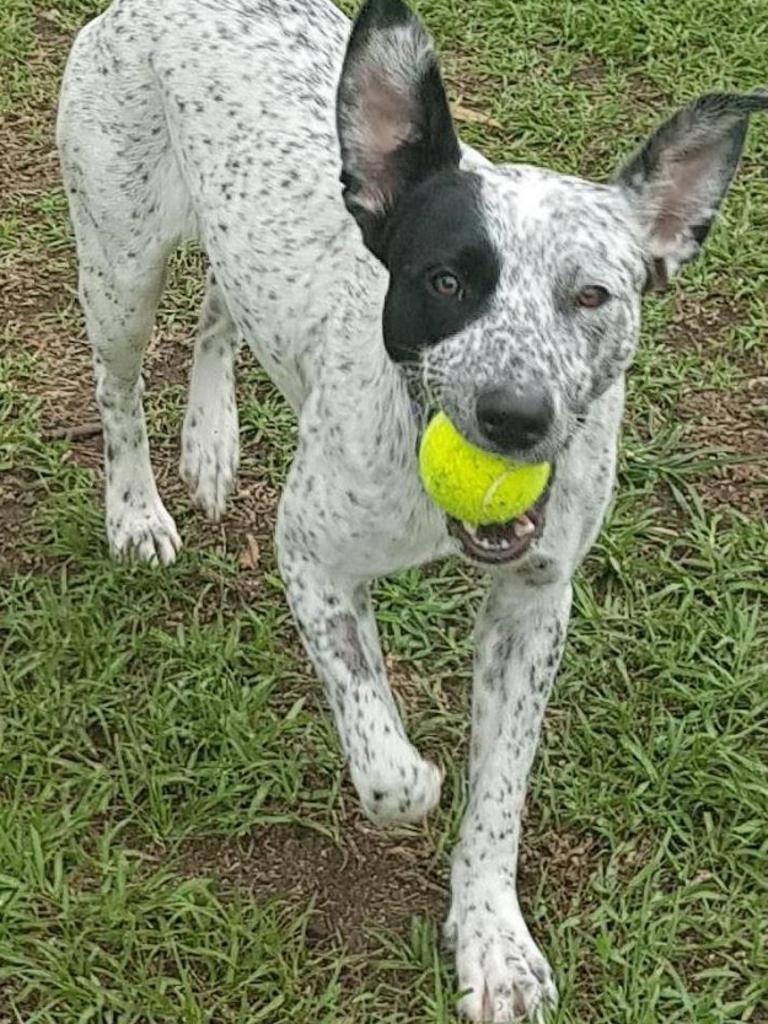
column 393, row 119
column 678, row 179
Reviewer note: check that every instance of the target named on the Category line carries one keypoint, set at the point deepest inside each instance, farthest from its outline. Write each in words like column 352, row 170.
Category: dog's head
column 514, row 291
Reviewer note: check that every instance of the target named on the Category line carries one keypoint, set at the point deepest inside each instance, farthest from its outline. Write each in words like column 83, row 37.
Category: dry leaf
column 249, row 558
column 462, row 113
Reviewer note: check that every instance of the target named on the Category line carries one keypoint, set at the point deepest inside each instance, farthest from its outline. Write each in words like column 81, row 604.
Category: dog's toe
column 501, row 972
column 144, row 535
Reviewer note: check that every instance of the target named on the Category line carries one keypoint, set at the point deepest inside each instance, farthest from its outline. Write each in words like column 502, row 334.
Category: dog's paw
column 500, row 969
column 210, row 457
column 402, row 792
column 142, row 532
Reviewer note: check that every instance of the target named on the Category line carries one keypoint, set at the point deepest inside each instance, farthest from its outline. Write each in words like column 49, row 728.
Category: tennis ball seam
column 495, row 484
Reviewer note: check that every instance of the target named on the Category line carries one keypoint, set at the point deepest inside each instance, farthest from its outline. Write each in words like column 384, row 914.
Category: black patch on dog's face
column 437, row 229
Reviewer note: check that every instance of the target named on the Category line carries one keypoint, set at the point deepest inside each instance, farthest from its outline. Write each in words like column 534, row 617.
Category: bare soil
column 369, row 882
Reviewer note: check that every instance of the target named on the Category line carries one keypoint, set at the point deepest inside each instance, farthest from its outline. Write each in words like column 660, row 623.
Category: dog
column 379, row 270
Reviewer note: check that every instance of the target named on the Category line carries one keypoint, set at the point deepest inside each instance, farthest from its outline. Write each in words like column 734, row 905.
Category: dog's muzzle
column 496, row 543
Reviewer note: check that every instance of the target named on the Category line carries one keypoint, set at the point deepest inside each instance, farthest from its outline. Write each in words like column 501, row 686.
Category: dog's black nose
column 514, row 420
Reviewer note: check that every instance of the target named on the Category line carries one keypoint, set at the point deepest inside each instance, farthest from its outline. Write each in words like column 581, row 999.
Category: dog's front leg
column 336, row 622
column 519, row 642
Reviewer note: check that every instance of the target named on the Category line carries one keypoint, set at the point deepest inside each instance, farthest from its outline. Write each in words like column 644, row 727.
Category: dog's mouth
column 502, row 542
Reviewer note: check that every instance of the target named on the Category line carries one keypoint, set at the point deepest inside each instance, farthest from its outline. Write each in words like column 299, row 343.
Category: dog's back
column 217, row 122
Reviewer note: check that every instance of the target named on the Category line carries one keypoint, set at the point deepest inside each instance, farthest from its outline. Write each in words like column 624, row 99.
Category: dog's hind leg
column 119, row 294
column 129, row 209
column 210, row 441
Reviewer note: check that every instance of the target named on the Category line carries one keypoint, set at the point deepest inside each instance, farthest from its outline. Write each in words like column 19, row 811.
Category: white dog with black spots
column 507, row 296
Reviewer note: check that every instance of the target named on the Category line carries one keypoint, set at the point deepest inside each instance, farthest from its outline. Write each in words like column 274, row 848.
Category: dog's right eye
column 592, row 297
column 446, row 285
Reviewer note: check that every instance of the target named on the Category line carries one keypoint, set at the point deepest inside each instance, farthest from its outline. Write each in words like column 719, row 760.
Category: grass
column 163, row 744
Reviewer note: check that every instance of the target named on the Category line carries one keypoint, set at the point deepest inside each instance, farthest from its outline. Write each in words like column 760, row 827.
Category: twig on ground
column 74, row 433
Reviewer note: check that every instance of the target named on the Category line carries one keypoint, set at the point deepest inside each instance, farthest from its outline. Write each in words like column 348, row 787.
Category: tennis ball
column 471, row 485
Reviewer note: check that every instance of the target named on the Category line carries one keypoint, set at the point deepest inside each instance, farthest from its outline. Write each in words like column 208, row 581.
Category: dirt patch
column 369, row 882
column 706, row 325
column 47, row 25
column 701, row 323
column 373, row 880
column 28, row 158
column 645, row 93
column 736, row 423
column 570, row 860
column 591, row 73
column 465, row 84
column 17, row 504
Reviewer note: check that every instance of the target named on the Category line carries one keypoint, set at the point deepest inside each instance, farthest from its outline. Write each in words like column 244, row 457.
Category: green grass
column 154, row 726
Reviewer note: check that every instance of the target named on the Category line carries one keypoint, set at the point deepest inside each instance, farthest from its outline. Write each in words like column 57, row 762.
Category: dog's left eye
column 446, row 285
column 592, row 296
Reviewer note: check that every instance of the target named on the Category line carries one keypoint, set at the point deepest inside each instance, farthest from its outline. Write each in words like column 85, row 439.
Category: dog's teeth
column 523, row 527
column 472, row 531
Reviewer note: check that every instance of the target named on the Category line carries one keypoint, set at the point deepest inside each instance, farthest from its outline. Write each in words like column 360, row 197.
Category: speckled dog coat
column 379, row 271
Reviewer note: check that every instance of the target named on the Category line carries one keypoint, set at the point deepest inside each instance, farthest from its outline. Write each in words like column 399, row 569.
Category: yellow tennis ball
column 472, row 485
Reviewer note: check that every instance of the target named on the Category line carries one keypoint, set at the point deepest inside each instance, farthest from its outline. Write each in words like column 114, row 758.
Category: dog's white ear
column 679, row 177
column 393, row 119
